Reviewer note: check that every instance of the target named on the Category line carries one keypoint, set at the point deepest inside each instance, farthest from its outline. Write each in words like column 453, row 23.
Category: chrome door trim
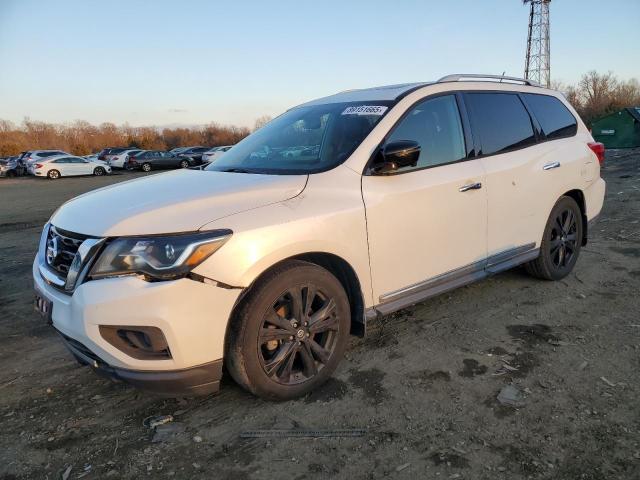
column 404, row 297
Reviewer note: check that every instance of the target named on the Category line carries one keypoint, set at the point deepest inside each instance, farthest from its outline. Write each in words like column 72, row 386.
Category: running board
column 405, row 297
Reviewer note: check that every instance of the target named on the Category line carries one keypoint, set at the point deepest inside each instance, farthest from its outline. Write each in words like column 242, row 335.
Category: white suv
column 267, row 262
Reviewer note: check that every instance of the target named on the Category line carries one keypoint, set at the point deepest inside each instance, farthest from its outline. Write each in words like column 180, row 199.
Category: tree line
column 83, row 138
column 599, row 94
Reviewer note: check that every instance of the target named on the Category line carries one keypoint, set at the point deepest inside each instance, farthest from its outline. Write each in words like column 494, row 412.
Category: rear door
column 77, row 166
column 427, row 224
column 506, row 137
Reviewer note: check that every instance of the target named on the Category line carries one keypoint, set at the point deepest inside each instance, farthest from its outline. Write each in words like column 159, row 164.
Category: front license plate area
column 43, row 306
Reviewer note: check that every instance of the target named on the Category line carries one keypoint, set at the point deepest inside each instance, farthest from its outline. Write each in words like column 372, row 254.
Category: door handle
column 470, row 186
column 551, row 165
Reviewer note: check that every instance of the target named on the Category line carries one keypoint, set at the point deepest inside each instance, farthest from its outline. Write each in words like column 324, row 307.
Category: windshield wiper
column 236, row 170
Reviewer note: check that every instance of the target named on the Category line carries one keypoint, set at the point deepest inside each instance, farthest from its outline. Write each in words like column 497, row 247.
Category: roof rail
column 458, row 77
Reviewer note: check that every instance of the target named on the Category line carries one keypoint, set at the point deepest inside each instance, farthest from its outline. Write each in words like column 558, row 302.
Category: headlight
column 159, row 257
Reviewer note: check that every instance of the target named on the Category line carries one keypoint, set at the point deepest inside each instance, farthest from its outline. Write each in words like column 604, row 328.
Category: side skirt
column 419, row 292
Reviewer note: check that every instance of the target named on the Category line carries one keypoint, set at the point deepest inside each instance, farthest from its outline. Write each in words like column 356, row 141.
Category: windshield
column 304, row 139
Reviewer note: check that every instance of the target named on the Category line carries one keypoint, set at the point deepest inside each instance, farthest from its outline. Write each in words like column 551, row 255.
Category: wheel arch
column 339, row 268
column 578, row 196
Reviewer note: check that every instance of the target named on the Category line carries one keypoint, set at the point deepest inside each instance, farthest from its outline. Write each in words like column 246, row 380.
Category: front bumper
column 193, row 381
column 192, row 316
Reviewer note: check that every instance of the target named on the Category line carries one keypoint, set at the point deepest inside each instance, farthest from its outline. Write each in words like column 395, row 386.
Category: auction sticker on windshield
column 365, row 110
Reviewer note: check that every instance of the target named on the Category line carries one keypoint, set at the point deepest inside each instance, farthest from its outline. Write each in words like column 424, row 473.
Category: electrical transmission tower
column 538, row 61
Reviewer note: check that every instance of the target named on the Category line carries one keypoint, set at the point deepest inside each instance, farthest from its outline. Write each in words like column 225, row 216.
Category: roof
column 388, row 93
column 396, row 92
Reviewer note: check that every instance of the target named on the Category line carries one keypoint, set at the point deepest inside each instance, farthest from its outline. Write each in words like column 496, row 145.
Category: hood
column 178, row 201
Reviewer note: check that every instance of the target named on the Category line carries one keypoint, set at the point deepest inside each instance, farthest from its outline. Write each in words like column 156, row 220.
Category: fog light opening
column 142, row 343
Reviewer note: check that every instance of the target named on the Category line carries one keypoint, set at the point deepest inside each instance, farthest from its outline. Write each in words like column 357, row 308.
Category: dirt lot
column 423, row 383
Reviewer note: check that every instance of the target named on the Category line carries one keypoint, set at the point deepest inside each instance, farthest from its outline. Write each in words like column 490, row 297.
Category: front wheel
column 561, row 242
column 184, row 164
column 289, row 333
column 99, row 171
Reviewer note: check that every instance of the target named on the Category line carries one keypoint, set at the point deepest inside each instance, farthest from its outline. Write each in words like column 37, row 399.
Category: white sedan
column 67, row 166
column 215, row 153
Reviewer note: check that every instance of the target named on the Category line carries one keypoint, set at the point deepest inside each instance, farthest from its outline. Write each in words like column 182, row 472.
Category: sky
column 145, row 62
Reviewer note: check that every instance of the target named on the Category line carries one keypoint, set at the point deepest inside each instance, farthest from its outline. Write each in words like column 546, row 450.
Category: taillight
column 598, row 149
column 38, row 165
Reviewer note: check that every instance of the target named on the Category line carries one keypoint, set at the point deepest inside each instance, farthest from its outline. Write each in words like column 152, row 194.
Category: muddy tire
column 289, row 333
column 561, row 242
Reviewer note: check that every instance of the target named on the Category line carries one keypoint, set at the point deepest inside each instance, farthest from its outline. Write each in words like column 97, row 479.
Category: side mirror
column 396, row 155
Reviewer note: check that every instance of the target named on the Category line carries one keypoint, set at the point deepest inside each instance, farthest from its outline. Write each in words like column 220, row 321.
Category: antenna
column 538, row 59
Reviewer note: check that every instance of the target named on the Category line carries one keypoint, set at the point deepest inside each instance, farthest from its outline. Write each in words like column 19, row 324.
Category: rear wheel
column 53, row 174
column 289, row 333
column 146, row 167
column 99, row 171
column 561, row 242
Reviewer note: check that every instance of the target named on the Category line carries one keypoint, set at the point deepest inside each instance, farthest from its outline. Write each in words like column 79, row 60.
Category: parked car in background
column 119, row 160
column 157, row 159
column 30, row 157
column 215, row 153
column 178, row 150
column 194, row 153
column 11, row 167
column 68, row 166
column 106, row 153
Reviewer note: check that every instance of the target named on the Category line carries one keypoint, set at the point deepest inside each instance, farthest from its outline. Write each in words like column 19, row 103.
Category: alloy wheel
column 298, row 335
column 564, row 238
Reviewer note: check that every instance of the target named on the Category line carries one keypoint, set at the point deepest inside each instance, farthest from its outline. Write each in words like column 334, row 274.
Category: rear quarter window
column 500, row 121
column 554, row 117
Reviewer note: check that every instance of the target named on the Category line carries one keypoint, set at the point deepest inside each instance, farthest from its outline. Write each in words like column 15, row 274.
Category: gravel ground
column 424, row 383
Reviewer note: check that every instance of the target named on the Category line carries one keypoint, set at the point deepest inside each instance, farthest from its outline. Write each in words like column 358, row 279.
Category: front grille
column 62, row 247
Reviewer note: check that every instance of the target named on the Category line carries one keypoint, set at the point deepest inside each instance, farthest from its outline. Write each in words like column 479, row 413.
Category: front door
column 430, row 220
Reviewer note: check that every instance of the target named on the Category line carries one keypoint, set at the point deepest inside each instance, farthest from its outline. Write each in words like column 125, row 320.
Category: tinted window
column 500, row 120
column 555, row 119
column 435, row 125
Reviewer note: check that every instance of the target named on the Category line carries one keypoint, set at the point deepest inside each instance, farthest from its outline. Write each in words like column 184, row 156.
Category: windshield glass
column 304, row 139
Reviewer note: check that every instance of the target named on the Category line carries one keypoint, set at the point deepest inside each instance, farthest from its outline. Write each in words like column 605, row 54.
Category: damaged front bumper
column 193, row 381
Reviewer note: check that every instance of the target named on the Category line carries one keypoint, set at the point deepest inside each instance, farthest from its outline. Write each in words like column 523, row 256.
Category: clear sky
column 191, row 62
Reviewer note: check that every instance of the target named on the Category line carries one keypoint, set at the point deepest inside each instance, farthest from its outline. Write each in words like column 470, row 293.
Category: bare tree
column 261, row 122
